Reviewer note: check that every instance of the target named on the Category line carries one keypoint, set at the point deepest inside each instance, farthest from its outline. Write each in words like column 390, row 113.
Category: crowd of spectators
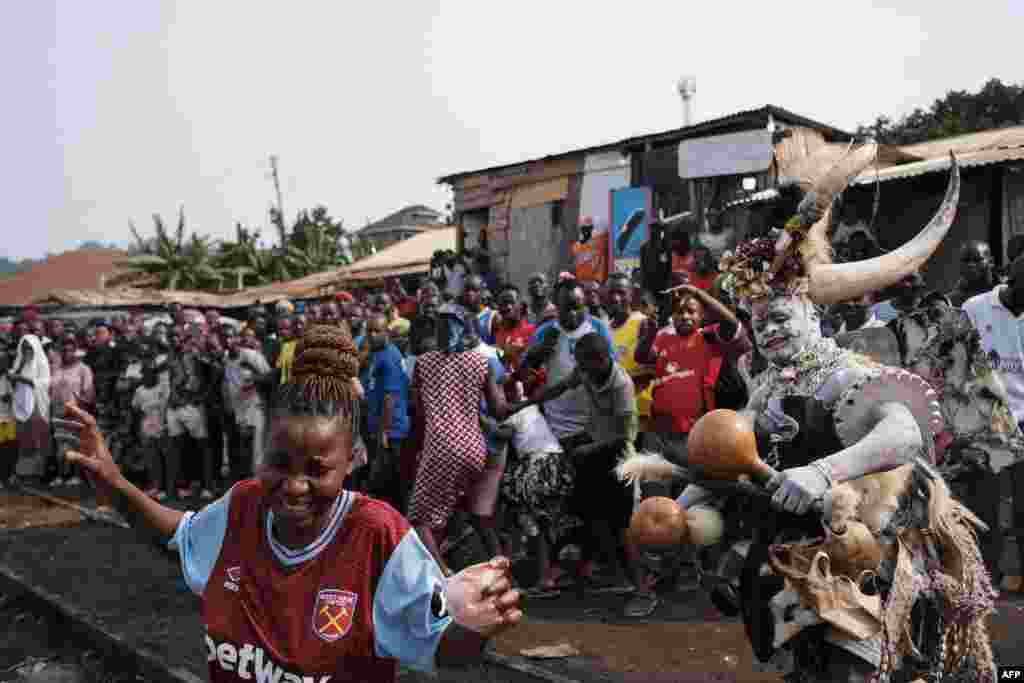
column 512, row 407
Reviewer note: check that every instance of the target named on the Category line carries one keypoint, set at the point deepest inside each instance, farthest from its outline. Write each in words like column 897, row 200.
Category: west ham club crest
column 333, row 613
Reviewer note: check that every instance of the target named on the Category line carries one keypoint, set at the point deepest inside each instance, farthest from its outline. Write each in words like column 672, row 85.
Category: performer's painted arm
column 893, row 441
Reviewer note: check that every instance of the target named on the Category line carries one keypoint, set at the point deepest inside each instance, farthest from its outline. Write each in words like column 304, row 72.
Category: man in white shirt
column 998, row 315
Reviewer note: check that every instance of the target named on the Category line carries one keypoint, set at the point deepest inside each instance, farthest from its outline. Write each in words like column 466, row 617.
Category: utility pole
column 280, row 204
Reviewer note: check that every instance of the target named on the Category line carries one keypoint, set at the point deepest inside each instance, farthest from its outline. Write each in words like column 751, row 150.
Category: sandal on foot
column 641, row 605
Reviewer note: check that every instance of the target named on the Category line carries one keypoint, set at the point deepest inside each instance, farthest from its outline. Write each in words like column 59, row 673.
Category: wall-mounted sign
column 630, row 214
column 732, row 154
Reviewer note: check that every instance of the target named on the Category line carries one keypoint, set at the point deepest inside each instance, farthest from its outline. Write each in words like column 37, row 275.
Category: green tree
column 173, row 261
column 247, row 263
column 317, row 243
column 995, row 105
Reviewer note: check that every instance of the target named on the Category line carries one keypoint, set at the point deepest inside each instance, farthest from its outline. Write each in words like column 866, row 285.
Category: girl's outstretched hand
column 88, row 449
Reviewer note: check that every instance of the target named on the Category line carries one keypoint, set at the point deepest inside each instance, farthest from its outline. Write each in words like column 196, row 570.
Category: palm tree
column 170, row 260
column 317, row 251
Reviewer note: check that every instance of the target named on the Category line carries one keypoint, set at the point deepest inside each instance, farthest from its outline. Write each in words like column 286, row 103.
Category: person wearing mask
column 387, row 399
column 977, row 272
column 539, row 307
column 996, row 315
column 71, row 381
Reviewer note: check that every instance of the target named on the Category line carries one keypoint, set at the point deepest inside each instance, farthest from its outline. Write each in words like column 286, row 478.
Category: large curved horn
column 834, row 282
column 826, row 188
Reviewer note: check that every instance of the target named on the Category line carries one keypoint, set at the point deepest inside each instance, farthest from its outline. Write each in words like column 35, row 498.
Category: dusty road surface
column 132, row 588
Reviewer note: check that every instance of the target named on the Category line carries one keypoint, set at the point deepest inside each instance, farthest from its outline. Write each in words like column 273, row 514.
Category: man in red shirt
column 688, row 358
column 704, row 271
column 512, row 332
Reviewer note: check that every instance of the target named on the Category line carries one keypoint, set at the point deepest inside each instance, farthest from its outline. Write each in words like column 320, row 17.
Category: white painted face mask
column 784, row 326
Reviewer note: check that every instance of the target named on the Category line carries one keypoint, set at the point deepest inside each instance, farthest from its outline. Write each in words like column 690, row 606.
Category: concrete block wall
column 534, row 244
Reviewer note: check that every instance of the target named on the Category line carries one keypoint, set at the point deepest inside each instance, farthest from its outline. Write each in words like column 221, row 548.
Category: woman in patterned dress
column 449, row 385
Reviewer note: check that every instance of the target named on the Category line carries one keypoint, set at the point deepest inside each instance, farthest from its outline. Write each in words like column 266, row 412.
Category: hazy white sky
column 116, row 110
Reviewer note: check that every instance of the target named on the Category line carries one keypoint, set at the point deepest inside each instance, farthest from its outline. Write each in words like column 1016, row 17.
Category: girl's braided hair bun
column 326, row 363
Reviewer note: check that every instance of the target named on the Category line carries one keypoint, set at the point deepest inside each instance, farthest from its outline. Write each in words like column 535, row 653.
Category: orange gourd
column 722, row 445
column 659, row 522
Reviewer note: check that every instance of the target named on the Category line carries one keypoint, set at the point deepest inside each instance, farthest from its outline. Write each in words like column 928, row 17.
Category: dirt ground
column 134, row 587
column 707, row 648
column 21, row 512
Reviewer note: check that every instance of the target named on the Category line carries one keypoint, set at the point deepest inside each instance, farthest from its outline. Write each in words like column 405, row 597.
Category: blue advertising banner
column 630, row 213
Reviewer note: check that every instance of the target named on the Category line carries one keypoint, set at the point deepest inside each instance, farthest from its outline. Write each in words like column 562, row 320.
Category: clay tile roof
column 80, row 269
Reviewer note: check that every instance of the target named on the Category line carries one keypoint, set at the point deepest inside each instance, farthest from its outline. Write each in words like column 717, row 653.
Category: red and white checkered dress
column 450, row 387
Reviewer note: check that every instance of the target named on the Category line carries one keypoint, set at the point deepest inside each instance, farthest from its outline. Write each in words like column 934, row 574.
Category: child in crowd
column 150, row 405
column 537, row 486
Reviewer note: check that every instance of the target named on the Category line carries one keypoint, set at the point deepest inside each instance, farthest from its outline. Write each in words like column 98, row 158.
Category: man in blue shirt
column 387, row 400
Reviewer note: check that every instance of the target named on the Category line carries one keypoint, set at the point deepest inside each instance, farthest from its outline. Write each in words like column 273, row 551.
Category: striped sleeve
column 404, row 626
column 199, row 539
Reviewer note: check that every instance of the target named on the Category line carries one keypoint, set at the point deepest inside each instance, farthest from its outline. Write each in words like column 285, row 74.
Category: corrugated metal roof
column 996, row 138
column 941, row 163
column 694, row 130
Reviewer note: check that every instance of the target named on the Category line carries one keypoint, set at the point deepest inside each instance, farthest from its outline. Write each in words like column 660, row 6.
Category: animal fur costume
column 888, row 584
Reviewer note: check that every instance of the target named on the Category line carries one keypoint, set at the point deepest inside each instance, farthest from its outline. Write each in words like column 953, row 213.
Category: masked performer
column 300, row 578
column 886, row 583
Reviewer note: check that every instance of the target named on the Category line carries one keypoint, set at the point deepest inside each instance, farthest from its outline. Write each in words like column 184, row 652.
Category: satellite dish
column 687, row 86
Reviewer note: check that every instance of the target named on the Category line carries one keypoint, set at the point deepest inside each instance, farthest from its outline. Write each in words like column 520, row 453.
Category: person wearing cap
column 591, row 252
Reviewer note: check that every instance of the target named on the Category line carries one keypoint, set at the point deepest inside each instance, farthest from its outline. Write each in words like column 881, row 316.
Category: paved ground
column 133, row 588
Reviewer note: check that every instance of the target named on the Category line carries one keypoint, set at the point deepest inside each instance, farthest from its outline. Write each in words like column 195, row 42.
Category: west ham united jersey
column 347, row 607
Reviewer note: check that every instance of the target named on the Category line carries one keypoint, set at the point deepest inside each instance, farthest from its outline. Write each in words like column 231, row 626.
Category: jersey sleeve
column 603, row 330
column 198, row 540
column 403, row 623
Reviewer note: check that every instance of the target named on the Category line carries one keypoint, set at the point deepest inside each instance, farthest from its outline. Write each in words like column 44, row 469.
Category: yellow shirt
column 400, row 327
column 626, row 337
column 285, row 359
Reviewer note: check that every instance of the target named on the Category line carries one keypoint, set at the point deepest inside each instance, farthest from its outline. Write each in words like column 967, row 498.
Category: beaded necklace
column 806, row 372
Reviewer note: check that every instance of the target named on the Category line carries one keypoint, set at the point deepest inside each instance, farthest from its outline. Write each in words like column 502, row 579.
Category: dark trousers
column 8, row 459
column 240, row 450
column 599, row 498
column 162, row 463
column 383, row 478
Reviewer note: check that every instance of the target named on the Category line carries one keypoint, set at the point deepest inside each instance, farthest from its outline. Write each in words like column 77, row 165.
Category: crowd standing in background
column 510, row 406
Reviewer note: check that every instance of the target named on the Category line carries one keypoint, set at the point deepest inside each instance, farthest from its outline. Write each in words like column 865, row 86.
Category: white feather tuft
column 647, row 466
